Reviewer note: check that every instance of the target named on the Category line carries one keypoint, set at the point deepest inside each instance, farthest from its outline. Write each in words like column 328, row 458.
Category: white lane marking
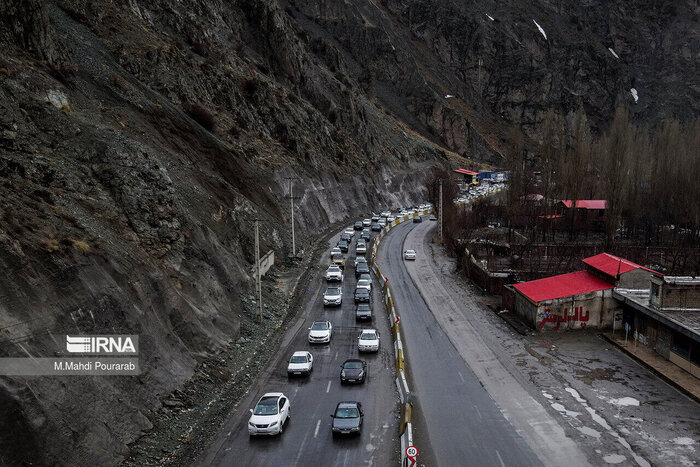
column 477, row 411
column 336, row 355
column 328, row 389
column 460, row 376
column 318, row 425
column 499, row 458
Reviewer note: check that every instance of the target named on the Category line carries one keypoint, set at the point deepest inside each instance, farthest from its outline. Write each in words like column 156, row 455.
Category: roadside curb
column 649, row 367
column 406, row 426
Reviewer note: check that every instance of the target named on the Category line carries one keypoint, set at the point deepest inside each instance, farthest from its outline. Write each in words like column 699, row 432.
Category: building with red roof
column 584, row 214
column 619, row 271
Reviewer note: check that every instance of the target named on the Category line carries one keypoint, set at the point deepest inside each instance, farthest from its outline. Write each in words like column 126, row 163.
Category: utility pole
column 440, row 210
column 258, row 269
column 291, row 206
column 258, row 282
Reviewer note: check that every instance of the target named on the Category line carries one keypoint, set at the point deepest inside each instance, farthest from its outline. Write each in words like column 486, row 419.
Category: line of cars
column 479, row 191
column 273, row 409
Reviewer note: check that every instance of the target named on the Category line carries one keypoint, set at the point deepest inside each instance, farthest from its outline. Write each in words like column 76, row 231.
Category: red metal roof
column 612, row 265
column 564, row 285
column 466, row 172
column 587, row 203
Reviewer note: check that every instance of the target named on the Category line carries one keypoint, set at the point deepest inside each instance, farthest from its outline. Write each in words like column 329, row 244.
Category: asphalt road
column 307, row 439
column 457, row 422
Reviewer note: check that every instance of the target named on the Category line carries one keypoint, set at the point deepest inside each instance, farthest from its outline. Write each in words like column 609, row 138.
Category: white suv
column 333, row 296
column 269, row 415
column 333, row 273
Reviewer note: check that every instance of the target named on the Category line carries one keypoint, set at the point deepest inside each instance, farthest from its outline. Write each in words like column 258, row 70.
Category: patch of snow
column 447, row 96
column 613, row 52
column 589, row 431
column 490, row 17
column 683, row 441
column 561, row 409
column 540, row 28
column 614, row 458
column 635, row 96
column 625, row 401
column 547, row 395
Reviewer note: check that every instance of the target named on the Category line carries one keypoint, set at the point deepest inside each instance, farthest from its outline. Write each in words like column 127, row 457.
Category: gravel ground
column 617, row 411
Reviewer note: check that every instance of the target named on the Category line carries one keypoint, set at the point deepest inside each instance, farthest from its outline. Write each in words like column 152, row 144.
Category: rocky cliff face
column 139, row 138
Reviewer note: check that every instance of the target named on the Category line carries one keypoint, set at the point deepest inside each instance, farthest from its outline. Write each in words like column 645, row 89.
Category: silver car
column 409, row 254
column 333, row 296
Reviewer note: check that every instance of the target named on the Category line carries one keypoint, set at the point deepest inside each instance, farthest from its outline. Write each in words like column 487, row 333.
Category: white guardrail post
column 406, row 426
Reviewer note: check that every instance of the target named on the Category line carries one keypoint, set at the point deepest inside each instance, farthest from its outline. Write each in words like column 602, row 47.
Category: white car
column 320, row 332
column 350, row 231
column 333, row 296
column 360, row 259
column 334, row 273
column 409, row 254
column 368, row 341
column 366, row 222
column 361, row 248
column 364, row 284
column 269, row 415
column 382, row 221
column 301, row 363
column 336, row 251
column 385, row 214
column 390, row 219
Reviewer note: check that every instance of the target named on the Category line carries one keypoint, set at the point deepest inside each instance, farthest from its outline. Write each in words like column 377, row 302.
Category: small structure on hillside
column 469, row 177
column 619, row 271
column 585, row 214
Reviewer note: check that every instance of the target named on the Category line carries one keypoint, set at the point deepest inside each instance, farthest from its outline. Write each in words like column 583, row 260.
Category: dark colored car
column 362, row 296
column 362, row 268
column 346, row 237
column 353, row 370
column 343, row 245
column 376, row 227
column 358, row 225
column 417, row 220
column 347, row 418
column 365, row 234
column 363, row 312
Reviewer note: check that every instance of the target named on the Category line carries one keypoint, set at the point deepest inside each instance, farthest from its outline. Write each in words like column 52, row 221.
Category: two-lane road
column 307, row 439
column 458, row 422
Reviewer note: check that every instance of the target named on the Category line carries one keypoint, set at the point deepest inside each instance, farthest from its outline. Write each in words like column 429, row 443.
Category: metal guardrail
column 406, row 426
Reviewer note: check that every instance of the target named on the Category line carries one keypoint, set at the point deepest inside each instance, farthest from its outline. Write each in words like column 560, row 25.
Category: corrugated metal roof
column 587, row 203
column 564, row 285
column 466, row 172
column 613, row 265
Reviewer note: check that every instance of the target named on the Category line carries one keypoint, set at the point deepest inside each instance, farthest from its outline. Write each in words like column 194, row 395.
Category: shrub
column 201, row 115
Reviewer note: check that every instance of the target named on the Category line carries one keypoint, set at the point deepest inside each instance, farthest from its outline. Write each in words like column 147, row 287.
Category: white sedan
column 320, row 332
column 301, row 363
column 269, row 415
column 368, row 341
column 409, row 254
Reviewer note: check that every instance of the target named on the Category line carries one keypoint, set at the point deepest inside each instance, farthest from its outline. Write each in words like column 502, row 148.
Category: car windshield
column 353, row 365
column 361, row 292
column 337, row 256
column 363, row 282
column 368, row 336
column 266, row 406
column 298, row 359
column 410, row 252
column 334, row 269
column 362, row 307
column 333, row 291
column 319, row 327
column 361, row 260
column 346, row 412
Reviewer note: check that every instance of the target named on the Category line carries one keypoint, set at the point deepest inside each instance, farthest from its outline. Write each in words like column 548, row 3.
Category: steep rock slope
column 137, row 141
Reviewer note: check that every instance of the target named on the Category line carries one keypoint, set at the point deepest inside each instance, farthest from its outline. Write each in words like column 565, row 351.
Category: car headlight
column 250, row 424
column 273, row 424
column 362, row 373
column 342, row 373
column 356, row 428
